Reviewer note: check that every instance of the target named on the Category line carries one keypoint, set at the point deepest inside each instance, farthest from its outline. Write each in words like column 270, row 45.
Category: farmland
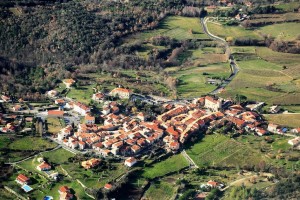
column 284, row 31
column 290, row 120
column 176, row 27
column 160, row 190
column 161, row 168
column 227, row 31
column 192, row 81
column 219, row 150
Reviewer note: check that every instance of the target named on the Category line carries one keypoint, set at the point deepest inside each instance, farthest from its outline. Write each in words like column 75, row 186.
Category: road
column 233, row 65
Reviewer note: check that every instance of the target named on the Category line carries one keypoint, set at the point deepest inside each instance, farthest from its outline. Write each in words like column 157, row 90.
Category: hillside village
column 130, row 135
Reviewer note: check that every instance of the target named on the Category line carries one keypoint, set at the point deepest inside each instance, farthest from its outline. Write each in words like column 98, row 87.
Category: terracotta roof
column 23, row 178
column 122, row 90
column 64, row 189
column 108, row 186
column 88, row 117
column 56, row 112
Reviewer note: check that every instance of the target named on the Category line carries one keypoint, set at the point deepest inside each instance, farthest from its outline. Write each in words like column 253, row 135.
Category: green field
column 54, row 125
column 231, row 31
column 82, row 93
column 58, row 156
column 176, row 27
column 172, row 164
column 192, row 82
column 290, row 120
column 160, row 190
column 284, row 31
column 288, row 7
column 31, row 144
column 264, row 81
column 220, row 150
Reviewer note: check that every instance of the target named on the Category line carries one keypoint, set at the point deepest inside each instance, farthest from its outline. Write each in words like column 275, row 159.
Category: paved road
column 233, row 65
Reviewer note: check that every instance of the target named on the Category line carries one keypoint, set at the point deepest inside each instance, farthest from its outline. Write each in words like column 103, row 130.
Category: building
column 5, row 98
column 213, row 104
column 121, row 93
column 212, row 184
column 44, row 167
column 174, row 146
column 99, row 97
column 294, row 142
column 129, row 162
column 52, row 93
column 108, row 186
column 93, row 162
column 17, row 108
column 65, row 193
column 296, row 130
column 22, row 179
column 89, row 119
column 274, row 109
column 81, row 108
column 55, row 113
column 69, row 82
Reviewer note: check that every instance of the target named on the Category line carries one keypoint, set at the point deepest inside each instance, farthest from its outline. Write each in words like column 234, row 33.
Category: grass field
column 31, row 144
column 284, row 31
column 172, row 164
column 220, row 150
column 192, row 82
column 288, row 7
column 82, row 93
column 176, row 27
column 290, row 120
column 232, row 31
column 160, row 190
column 54, row 125
column 264, row 81
column 58, row 156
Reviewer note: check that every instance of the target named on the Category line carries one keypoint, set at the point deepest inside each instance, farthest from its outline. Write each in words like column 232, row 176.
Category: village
column 131, row 136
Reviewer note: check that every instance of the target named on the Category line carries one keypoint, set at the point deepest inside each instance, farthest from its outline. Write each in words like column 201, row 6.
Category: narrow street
column 189, row 159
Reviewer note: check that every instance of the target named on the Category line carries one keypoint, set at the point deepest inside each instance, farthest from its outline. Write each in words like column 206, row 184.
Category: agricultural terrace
column 264, row 81
column 160, row 190
column 172, row 164
column 284, row 31
column 193, row 80
column 177, row 27
column 220, row 150
column 231, row 31
column 13, row 148
column 289, row 120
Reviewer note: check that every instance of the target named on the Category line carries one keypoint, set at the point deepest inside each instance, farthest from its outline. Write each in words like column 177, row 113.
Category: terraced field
column 176, row 27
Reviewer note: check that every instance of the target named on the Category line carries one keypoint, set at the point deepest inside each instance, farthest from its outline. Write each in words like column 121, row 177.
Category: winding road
column 233, row 65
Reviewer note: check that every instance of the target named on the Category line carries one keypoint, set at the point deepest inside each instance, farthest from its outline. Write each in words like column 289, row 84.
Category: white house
column 130, row 161
column 213, row 104
column 121, row 93
column 81, row 108
column 89, row 119
column 294, row 142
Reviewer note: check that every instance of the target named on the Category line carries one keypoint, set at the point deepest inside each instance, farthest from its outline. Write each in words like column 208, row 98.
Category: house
column 55, row 113
column 141, row 116
column 69, row 82
column 174, row 146
column 65, row 193
column 81, row 145
column 17, row 108
column 89, row 119
column 296, row 130
column 212, row 184
column 201, row 196
column 294, row 142
column 93, row 162
column 135, row 149
column 121, row 93
column 60, row 102
column 81, row 108
column 212, row 103
column 106, row 111
column 65, row 132
column 130, row 161
column 44, row 167
column 274, row 109
column 22, row 179
column 99, row 97
column 261, row 131
column 108, row 186
column 52, row 93
column 273, row 128
column 5, row 98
